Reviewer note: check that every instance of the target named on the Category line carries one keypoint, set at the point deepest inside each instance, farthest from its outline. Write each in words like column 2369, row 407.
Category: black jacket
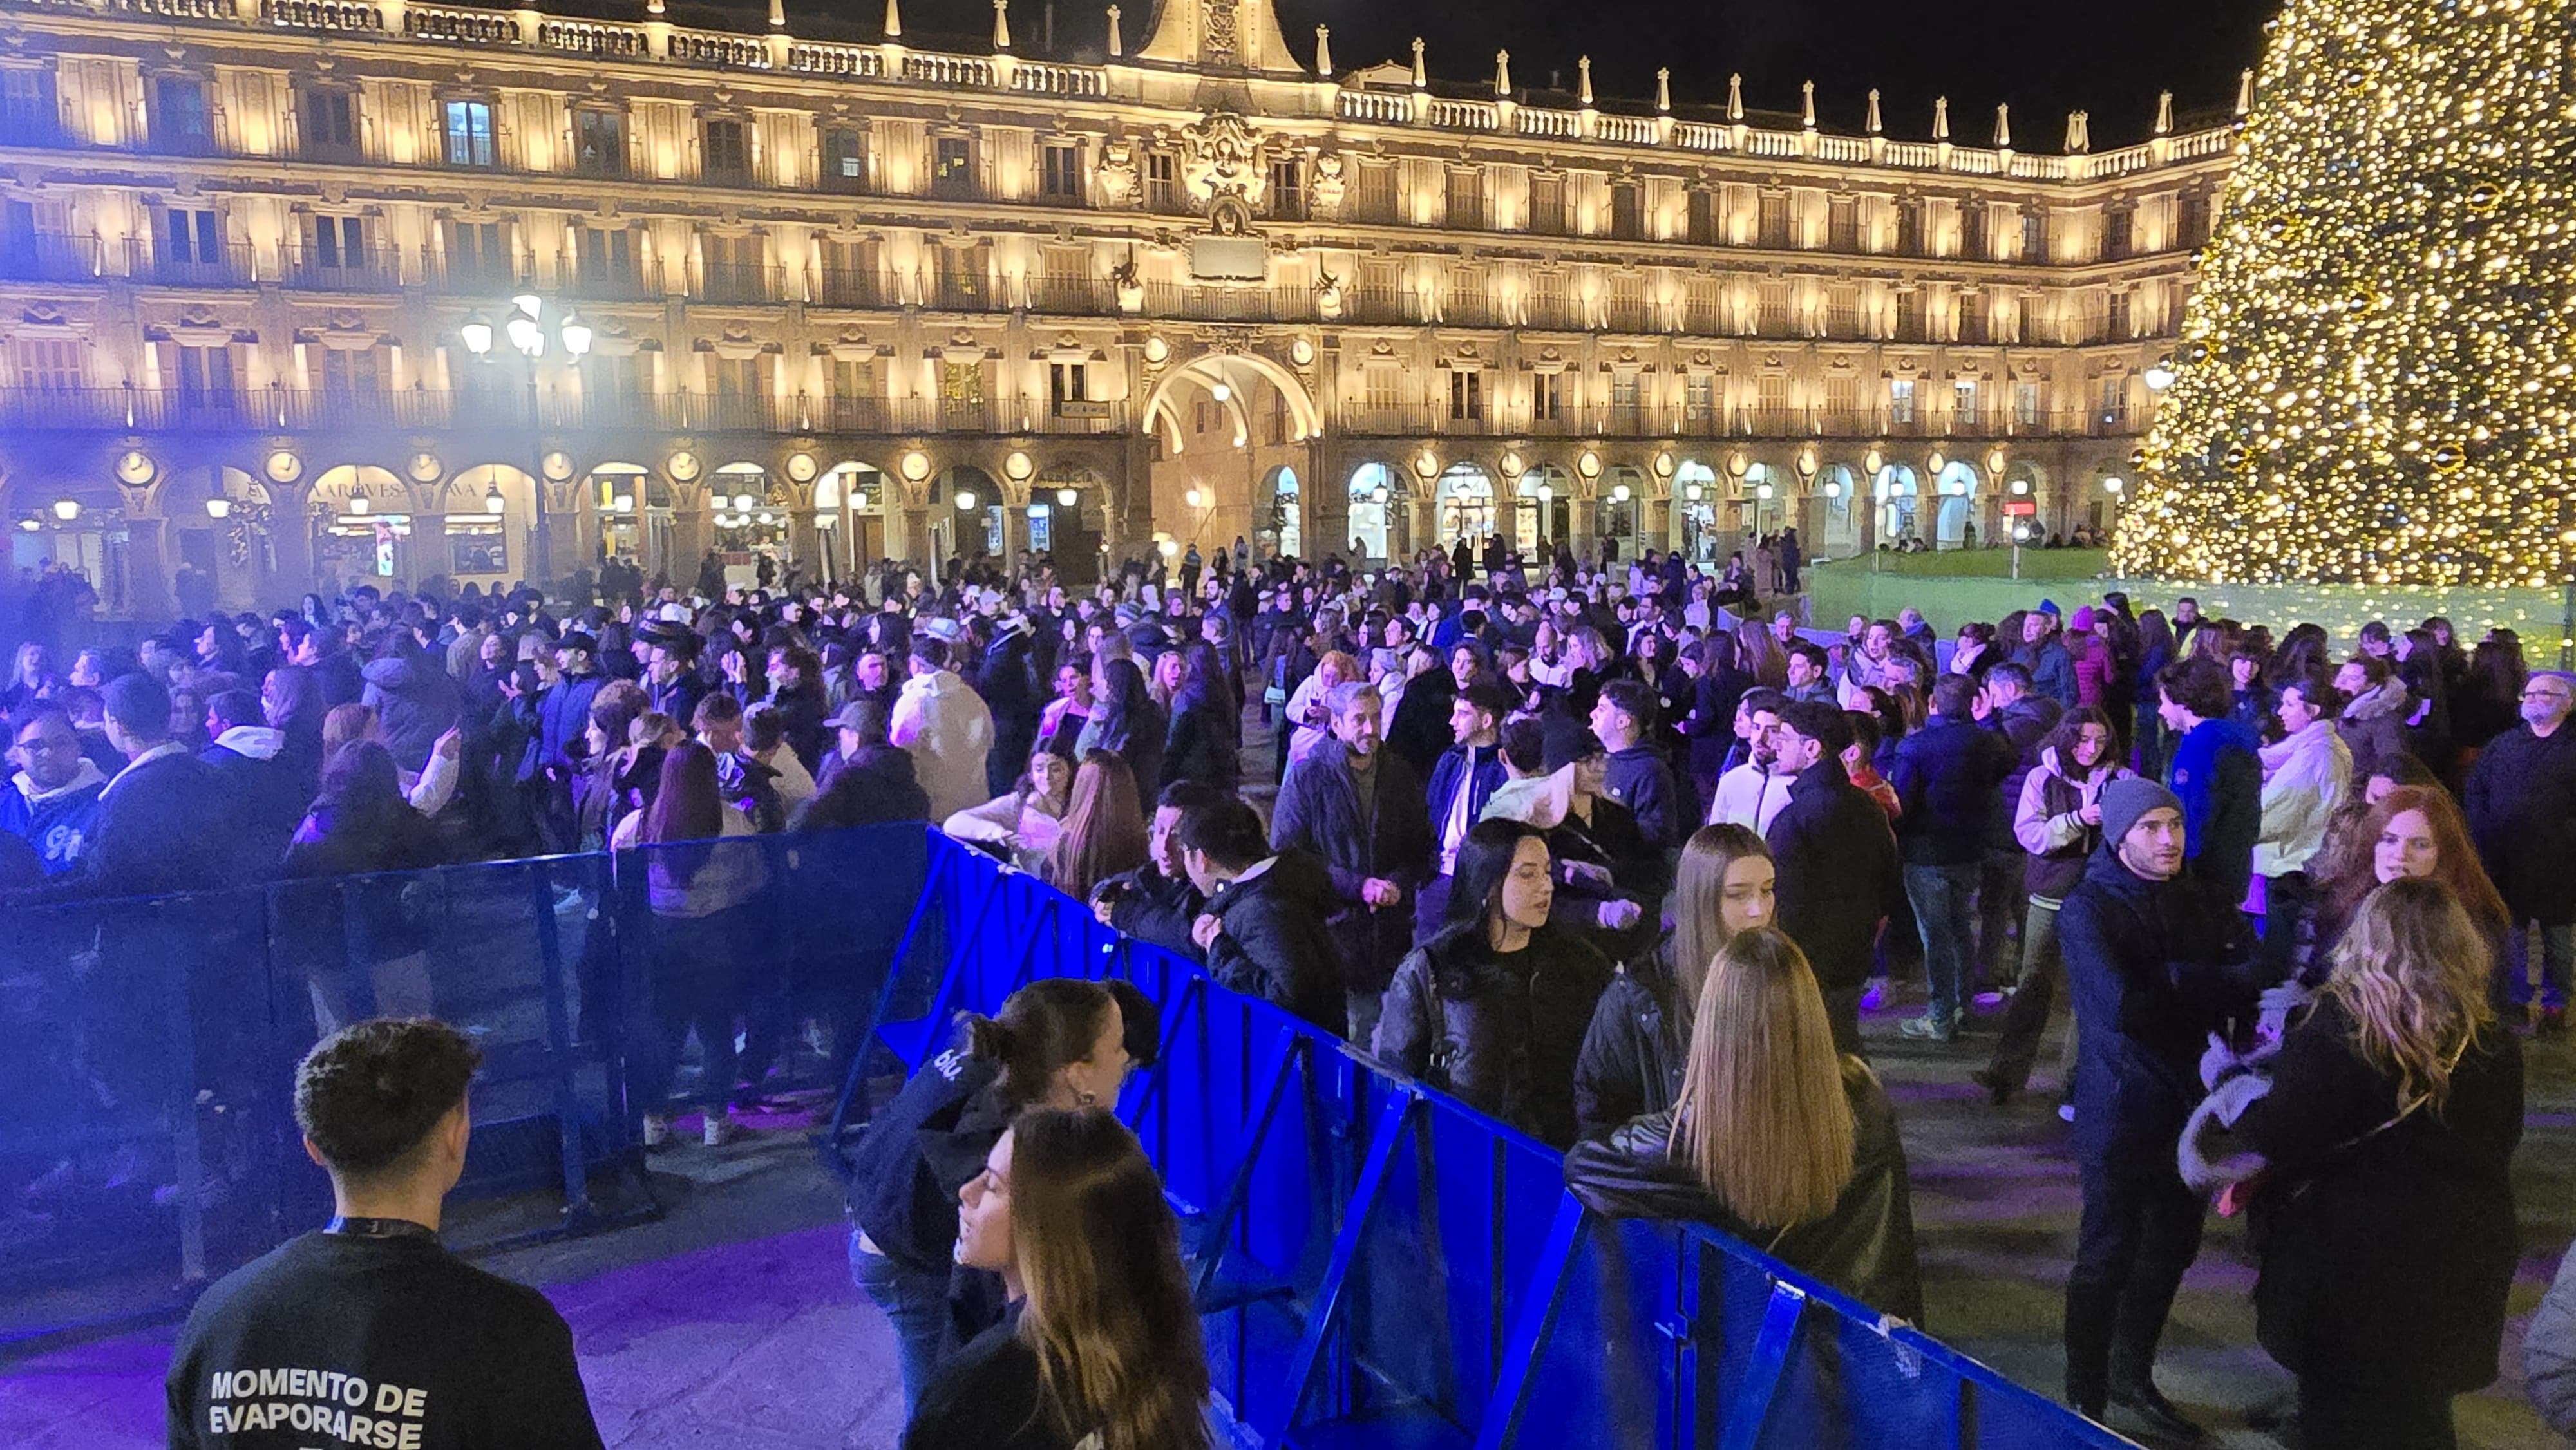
column 1865, row 1247
column 1275, row 945
column 987, row 1395
column 2152, row 968
column 2386, row 1253
column 1420, row 730
column 2522, row 810
column 165, row 826
column 1319, row 810
column 1642, row 780
column 1949, row 775
column 416, row 702
column 1499, row 1032
column 1711, row 726
column 923, row 1147
column 1199, row 744
column 1838, row 878
column 1635, row 1049
column 1154, row 908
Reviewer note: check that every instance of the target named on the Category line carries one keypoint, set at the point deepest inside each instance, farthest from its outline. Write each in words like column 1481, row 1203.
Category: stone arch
column 1280, row 515
column 1210, row 369
column 1376, row 491
column 1468, row 501
column 1957, row 487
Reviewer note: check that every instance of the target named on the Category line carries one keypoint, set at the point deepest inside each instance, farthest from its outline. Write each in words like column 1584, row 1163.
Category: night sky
column 2046, row 57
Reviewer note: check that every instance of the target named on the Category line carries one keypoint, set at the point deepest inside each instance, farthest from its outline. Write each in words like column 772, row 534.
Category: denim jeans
column 1944, row 899
column 2557, row 964
column 916, row 1305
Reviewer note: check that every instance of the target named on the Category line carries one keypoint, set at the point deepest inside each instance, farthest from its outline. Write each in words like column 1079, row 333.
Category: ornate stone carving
column 1221, row 158
column 1121, row 184
column 1220, row 46
column 1329, row 188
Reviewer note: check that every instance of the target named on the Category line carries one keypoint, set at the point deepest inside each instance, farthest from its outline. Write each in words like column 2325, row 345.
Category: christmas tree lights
column 2378, row 368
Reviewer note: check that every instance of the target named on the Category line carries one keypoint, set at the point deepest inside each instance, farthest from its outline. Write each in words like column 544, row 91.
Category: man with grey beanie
column 2154, row 964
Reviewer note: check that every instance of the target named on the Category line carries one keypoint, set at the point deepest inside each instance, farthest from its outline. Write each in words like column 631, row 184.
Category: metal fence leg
column 1769, row 1365
column 577, row 1213
column 1531, row 1328
column 1394, row 1124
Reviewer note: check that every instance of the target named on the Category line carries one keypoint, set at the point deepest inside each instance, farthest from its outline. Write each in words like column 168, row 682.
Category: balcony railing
column 48, row 257
column 1509, row 418
column 151, row 260
column 472, row 275
column 739, row 283
column 633, row 281
column 359, row 269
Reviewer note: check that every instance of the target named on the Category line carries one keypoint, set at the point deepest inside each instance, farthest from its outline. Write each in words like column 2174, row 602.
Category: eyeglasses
column 2547, row 694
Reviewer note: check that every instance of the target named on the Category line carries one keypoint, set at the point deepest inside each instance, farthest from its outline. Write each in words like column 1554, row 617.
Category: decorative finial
column 1421, row 78
column 1502, row 72
column 1117, row 47
column 1001, row 24
column 652, row 7
column 1809, row 119
column 778, row 14
column 2079, row 132
column 894, row 19
column 2245, row 92
column 1583, row 86
column 1324, row 51
column 1664, row 90
column 1941, row 118
column 2164, row 114
column 1874, row 126
column 2003, row 127
column 1735, row 97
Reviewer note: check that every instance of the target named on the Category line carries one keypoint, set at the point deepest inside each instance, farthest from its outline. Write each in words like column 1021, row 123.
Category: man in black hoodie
column 1263, row 930
column 1836, row 857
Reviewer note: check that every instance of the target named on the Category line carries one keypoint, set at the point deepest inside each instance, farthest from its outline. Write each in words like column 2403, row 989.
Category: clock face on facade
column 135, row 468
column 683, row 466
column 425, row 467
column 558, row 465
column 283, row 467
column 800, row 467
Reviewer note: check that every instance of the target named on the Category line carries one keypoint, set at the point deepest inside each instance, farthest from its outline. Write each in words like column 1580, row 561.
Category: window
column 728, row 152
column 1467, row 198
column 1972, row 316
column 1773, row 215
column 1909, row 316
column 1842, row 397
column 1547, row 397
column 2195, row 218
column 853, row 378
column 1065, row 286
column 1909, row 229
column 605, row 257
column 469, row 133
column 619, row 376
column 732, row 265
column 845, row 159
column 599, row 143
column 191, row 238
column 1288, row 188
column 734, row 377
column 180, row 117
column 2118, row 229
column 1060, row 171
column 1379, row 381
column 330, row 125
column 1274, row 421
column 339, row 244
column 1842, row 225
column 1626, row 401
column 1963, row 400
column 475, row 253
column 1900, row 401
column 1162, row 187
column 1466, row 395
column 1775, row 310
column 205, row 375
column 961, row 277
column 952, row 167
column 1627, row 211
column 2116, row 319
column 1201, row 412
column 1547, row 206
column 2115, row 400
column 1699, row 398
column 1377, row 192
column 1842, row 316
column 50, row 364
column 1703, row 218
column 28, row 112
column 2026, row 405
column 348, row 374
column 1771, row 396
column 1628, row 303
column 2034, row 236
column 1068, row 382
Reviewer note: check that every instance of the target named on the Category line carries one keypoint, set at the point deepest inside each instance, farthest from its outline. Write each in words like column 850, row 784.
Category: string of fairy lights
column 2378, row 364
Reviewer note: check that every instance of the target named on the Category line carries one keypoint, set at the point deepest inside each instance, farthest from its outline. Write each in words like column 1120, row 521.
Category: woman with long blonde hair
column 1101, row 1345
column 2385, row 1217
column 1104, row 827
column 1776, row 1138
column 1758, row 654
column 1634, row 1052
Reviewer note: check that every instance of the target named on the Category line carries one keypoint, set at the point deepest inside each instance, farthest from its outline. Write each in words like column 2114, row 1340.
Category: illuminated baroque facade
column 843, row 299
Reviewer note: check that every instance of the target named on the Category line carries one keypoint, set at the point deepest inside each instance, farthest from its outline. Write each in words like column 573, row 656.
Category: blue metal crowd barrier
column 148, row 1046
column 1381, row 1266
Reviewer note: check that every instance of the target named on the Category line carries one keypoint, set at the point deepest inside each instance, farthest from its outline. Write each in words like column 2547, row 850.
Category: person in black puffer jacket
column 1494, row 1007
column 1263, row 930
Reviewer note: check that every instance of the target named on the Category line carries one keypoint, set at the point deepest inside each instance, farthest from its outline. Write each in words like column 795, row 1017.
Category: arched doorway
column 1695, row 485
column 1837, row 522
column 360, row 526
column 1897, row 498
column 486, row 516
column 1373, row 488
column 849, row 512
column 966, row 513
column 1281, row 531
column 623, row 505
column 1543, row 510
column 1465, row 500
column 1227, row 423
column 1956, row 524
column 1622, row 506
column 219, row 519
column 1764, row 502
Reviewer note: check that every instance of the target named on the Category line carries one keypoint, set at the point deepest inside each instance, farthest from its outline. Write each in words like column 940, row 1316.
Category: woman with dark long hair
column 1199, row 744
column 704, row 901
column 1104, row 827
column 1125, row 719
column 1494, row 1007
column 1101, row 1346
column 360, row 825
column 1057, row 1042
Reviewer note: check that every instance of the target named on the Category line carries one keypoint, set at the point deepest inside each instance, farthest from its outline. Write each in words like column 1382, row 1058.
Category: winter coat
column 2387, row 1251
column 1635, row 1050
column 1478, row 770
column 1319, row 810
column 1864, row 1247
column 2549, row 1351
column 2052, row 670
column 165, row 824
column 2048, row 824
column 2219, row 780
column 1026, row 821
column 2152, row 968
column 1498, row 1031
column 1750, row 796
column 1154, row 908
column 1135, row 736
column 56, row 824
column 888, row 792
column 267, row 789
column 2304, row 778
column 2522, row 810
column 1199, row 744
column 1838, row 879
column 1642, row 780
column 1711, row 726
column 563, row 725
column 919, row 1150
column 948, row 732
column 2093, row 665
column 2373, row 728
column 415, row 703
column 1275, row 945
column 1948, row 777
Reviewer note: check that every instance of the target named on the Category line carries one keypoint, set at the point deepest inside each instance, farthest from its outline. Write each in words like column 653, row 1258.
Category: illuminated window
column 469, row 133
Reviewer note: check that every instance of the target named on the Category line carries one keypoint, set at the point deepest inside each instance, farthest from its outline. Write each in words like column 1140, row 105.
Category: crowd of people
column 1577, row 845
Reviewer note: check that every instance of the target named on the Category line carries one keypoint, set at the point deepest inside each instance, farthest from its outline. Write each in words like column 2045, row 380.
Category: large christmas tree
column 2378, row 368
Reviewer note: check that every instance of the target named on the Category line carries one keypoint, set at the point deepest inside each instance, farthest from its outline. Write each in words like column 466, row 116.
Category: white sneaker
column 657, row 1129
column 721, row 1128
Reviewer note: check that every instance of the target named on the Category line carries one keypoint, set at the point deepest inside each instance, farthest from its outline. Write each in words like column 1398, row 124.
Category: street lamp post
column 525, row 330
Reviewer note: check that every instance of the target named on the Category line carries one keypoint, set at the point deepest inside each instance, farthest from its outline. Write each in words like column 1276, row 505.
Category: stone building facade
column 306, row 291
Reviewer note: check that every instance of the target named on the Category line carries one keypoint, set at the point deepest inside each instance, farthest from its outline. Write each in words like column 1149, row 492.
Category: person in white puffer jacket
column 2305, row 777
column 947, row 728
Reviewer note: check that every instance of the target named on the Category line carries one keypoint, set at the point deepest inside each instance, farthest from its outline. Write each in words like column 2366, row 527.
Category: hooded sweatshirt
column 59, row 822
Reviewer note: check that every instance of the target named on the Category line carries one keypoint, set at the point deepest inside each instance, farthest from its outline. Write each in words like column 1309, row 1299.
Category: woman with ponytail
column 1100, row 1346
column 1057, row 1042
